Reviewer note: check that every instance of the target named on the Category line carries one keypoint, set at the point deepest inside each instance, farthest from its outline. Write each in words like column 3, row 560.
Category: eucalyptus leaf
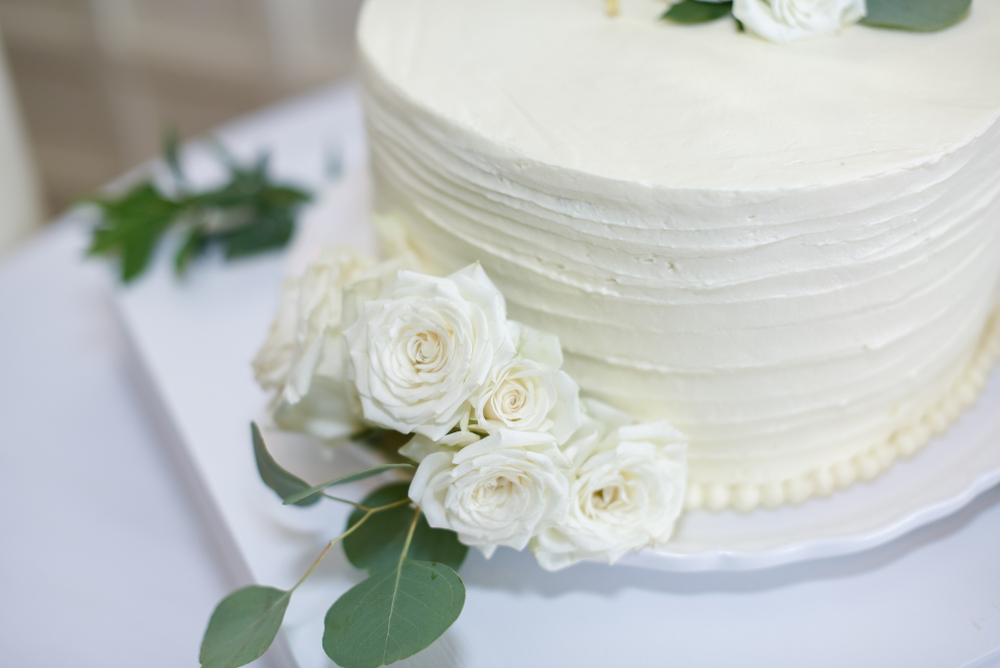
column 243, row 626
column 378, row 542
column 248, row 214
column 285, row 484
column 268, row 230
column 393, row 614
column 343, row 480
column 192, row 247
column 915, row 15
column 131, row 225
column 171, row 155
column 385, row 442
column 697, row 11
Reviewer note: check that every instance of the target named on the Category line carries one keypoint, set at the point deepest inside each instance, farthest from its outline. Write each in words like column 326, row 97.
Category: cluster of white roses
column 507, row 452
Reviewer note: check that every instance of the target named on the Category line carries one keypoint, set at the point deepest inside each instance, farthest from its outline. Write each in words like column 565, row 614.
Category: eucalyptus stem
column 409, row 537
column 366, row 508
column 316, row 563
column 368, row 513
column 347, row 501
column 401, row 502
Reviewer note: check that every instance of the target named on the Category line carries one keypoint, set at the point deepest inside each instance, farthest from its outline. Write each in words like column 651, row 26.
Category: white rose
column 523, row 395
column 626, row 494
column 274, row 359
column 304, row 356
column 530, row 393
column 417, row 353
column 501, row 490
column 785, row 21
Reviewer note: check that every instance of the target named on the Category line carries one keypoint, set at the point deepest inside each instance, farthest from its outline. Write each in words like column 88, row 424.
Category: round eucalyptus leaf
column 378, row 543
column 393, row 614
column 243, row 626
column 916, row 15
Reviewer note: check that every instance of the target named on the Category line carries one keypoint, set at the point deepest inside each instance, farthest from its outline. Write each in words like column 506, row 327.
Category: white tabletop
column 104, row 561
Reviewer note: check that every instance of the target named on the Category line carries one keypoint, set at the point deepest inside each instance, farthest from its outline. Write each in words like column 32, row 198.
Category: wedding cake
column 792, row 252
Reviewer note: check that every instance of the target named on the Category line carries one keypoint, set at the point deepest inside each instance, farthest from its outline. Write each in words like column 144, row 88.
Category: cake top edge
column 700, row 107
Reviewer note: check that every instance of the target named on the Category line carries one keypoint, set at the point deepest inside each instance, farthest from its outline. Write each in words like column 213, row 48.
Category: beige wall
column 99, row 79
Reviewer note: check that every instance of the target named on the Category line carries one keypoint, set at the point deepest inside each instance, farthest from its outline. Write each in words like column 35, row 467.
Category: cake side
column 903, row 442
column 791, row 331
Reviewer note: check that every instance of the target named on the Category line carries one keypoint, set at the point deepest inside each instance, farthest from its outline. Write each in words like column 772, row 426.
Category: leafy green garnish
column 351, row 477
column 248, row 214
column 413, row 593
column 247, row 621
column 915, row 15
column 376, row 544
column 243, row 626
column 395, row 613
column 285, row 484
column 697, row 11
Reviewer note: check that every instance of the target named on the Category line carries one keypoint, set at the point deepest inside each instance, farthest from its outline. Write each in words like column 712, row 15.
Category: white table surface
column 104, row 560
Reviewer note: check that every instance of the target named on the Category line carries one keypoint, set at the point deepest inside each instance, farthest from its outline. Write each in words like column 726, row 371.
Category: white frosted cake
column 792, row 252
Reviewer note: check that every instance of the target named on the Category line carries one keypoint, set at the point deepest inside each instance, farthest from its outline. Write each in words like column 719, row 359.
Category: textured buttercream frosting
column 791, row 252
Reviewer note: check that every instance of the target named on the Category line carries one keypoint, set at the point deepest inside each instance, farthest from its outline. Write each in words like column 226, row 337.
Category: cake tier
column 791, row 252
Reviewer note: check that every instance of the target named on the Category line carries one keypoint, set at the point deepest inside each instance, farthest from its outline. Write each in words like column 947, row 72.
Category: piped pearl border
column 866, row 465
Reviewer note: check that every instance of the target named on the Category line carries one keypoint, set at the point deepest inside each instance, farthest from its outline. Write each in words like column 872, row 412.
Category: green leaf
column 378, row 542
column 192, row 247
column 171, row 155
column 248, row 214
column 393, row 614
column 267, row 229
column 916, row 15
column 697, row 11
column 385, row 442
column 352, row 477
column 281, row 481
column 136, row 254
column 132, row 225
column 243, row 626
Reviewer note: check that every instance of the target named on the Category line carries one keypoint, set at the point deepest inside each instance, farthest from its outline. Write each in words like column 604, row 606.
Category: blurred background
column 87, row 86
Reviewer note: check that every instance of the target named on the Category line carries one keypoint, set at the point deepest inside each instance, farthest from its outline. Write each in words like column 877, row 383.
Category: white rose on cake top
column 786, row 21
column 500, row 490
column 418, row 352
column 530, row 393
column 626, row 491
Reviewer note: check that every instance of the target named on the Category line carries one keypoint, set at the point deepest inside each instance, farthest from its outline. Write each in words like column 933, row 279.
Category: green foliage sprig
column 248, row 214
column 697, row 11
column 913, row 15
column 412, row 595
